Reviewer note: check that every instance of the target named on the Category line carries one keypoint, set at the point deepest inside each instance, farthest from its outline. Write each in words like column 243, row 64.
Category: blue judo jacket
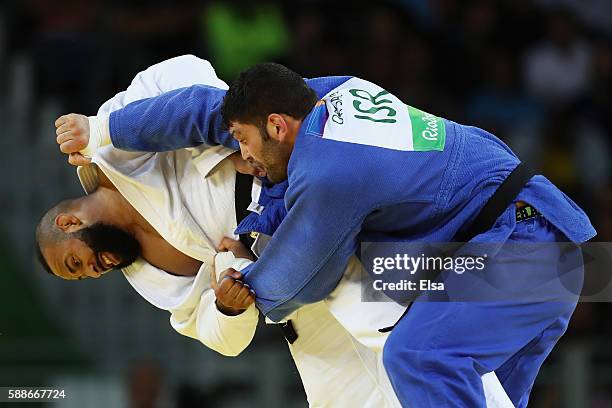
column 339, row 193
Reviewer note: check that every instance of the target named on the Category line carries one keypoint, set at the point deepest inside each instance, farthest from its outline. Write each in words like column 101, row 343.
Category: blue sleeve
column 308, row 253
column 185, row 117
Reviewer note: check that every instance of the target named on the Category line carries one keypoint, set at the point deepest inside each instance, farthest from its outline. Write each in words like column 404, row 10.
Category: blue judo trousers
column 373, row 186
column 438, row 351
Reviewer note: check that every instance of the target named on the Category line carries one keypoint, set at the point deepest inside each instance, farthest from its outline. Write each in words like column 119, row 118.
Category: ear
column 277, row 127
column 68, row 222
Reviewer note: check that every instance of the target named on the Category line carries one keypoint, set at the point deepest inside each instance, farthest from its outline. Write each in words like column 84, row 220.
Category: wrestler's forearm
column 177, row 119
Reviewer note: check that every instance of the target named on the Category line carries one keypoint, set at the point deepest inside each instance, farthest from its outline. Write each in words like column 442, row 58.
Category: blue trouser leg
column 437, row 353
column 517, row 375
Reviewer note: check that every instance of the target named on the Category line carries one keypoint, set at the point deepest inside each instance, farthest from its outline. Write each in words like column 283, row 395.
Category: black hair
column 264, row 89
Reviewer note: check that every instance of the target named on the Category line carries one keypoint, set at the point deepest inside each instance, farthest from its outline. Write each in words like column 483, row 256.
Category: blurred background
column 537, row 73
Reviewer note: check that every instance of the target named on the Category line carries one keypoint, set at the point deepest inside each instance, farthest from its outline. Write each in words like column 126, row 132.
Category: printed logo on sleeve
column 428, row 131
column 364, row 113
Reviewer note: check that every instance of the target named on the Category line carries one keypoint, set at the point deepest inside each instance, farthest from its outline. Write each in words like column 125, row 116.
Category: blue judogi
column 341, row 192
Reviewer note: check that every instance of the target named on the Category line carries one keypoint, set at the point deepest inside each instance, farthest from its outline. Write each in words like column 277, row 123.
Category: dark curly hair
column 264, row 89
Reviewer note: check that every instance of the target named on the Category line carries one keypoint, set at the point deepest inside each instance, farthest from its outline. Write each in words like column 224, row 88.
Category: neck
column 293, row 129
column 109, row 207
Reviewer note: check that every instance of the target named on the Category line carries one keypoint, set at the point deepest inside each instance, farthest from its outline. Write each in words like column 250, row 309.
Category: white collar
column 205, row 163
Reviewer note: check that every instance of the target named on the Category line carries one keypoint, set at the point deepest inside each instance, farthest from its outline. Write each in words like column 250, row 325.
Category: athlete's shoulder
column 183, row 71
column 324, row 85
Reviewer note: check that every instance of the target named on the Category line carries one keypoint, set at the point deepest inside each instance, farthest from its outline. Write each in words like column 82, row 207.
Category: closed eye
column 237, row 136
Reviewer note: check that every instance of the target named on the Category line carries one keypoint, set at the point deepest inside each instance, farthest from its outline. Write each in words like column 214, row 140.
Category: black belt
column 242, row 198
column 288, row 331
column 503, row 196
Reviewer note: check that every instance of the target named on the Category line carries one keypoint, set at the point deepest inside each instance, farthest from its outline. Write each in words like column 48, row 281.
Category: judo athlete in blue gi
column 360, row 166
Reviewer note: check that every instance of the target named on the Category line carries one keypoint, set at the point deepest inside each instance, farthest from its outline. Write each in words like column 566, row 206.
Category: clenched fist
column 72, row 132
column 233, row 295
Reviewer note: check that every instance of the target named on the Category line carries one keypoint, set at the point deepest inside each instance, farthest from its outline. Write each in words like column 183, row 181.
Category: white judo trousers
column 188, row 197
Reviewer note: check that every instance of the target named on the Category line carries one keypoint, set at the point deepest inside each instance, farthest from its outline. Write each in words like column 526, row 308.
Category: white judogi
column 188, row 197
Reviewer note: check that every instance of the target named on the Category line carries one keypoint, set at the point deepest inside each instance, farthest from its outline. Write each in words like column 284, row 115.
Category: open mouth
column 107, row 261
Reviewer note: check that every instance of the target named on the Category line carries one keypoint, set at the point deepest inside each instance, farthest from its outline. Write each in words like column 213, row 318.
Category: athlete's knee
column 400, row 353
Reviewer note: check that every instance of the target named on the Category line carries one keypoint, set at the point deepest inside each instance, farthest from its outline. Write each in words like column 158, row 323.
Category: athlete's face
column 91, row 252
column 263, row 148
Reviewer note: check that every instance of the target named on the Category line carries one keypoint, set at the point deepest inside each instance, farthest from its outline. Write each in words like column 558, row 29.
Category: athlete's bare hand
column 233, row 295
column 235, row 247
column 72, row 132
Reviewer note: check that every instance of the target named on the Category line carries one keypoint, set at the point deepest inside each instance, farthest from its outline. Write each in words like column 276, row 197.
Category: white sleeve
column 228, row 335
column 168, row 75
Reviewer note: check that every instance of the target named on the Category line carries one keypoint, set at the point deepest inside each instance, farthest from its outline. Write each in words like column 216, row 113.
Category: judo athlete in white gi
column 187, row 197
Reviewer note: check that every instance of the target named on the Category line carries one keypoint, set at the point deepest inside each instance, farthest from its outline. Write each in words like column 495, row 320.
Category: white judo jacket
column 188, row 197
